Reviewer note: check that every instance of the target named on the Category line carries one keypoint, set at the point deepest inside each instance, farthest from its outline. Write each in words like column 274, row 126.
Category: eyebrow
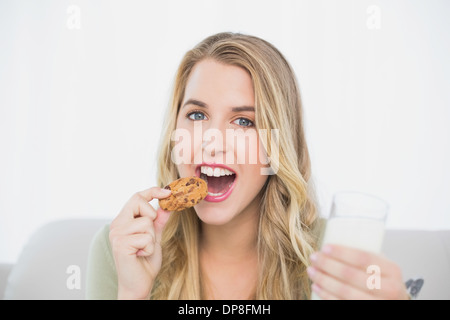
column 204, row 105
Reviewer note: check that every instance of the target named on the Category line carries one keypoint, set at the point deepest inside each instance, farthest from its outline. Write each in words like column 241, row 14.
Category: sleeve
column 101, row 278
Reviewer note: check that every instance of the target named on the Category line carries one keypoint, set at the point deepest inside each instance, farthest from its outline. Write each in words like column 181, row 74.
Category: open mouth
column 220, row 181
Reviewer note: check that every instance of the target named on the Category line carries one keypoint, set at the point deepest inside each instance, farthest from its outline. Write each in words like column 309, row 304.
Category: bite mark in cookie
column 186, row 193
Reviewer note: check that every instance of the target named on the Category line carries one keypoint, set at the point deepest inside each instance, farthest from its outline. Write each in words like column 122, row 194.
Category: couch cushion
column 52, row 265
column 422, row 254
column 5, row 269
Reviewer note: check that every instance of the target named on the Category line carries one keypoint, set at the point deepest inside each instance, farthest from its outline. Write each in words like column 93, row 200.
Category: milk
column 361, row 233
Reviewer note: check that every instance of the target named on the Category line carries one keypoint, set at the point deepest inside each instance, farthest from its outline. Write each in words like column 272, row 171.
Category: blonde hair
column 288, row 211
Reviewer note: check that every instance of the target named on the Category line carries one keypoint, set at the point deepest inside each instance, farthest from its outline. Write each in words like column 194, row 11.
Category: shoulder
column 100, row 241
column 100, row 246
column 101, row 279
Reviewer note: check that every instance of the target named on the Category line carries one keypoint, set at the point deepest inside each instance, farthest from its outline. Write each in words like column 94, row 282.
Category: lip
column 224, row 196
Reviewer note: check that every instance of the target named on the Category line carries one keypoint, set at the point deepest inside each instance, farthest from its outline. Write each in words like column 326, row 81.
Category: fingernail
column 313, row 257
column 327, row 249
column 311, row 271
column 166, row 191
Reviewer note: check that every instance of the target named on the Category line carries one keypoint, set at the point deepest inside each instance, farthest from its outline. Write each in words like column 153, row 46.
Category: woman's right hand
column 135, row 236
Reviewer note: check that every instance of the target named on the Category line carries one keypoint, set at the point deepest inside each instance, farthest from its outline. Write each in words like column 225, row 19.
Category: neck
column 235, row 240
column 229, row 259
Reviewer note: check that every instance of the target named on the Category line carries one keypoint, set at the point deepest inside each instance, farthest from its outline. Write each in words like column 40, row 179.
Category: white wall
column 82, row 100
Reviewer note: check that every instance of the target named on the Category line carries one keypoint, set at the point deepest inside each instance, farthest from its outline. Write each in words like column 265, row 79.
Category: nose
column 213, row 144
column 215, row 147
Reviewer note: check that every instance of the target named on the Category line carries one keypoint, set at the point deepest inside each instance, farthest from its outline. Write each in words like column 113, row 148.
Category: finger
column 160, row 222
column 142, row 208
column 138, row 205
column 322, row 294
column 374, row 282
column 137, row 225
column 330, row 286
column 142, row 242
column 144, row 253
column 154, row 192
column 339, row 270
column 141, row 198
column 356, row 257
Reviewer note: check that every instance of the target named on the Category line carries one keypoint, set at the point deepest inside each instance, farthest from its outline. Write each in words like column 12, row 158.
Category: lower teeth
column 219, row 194
column 214, row 194
column 205, row 177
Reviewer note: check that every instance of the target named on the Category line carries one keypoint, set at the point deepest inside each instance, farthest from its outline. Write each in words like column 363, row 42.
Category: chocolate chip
column 192, row 200
column 167, row 187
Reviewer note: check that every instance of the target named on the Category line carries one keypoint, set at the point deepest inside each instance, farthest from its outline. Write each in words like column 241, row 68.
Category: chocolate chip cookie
column 186, row 193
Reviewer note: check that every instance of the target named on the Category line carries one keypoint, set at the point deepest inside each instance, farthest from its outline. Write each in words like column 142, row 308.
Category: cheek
column 251, row 182
column 263, row 159
column 186, row 147
column 256, row 163
column 248, row 149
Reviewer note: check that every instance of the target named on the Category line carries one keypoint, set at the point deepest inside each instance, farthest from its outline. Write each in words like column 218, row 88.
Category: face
column 219, row 141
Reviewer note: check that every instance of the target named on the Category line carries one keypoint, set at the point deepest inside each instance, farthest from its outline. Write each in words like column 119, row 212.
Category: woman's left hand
column 340, row 272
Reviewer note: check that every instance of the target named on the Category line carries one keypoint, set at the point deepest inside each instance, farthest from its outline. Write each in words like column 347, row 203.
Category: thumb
column 162, row 217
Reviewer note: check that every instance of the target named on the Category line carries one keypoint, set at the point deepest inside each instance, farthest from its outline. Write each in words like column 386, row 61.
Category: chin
column 213, row 215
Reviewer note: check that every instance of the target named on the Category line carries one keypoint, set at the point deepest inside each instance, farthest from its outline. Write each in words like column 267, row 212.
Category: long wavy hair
column 288, row 209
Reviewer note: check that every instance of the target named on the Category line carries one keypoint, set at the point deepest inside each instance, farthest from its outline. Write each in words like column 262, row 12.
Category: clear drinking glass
column 356, row 220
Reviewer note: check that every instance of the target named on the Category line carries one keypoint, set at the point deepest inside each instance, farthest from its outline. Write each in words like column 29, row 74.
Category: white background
column 82, row 98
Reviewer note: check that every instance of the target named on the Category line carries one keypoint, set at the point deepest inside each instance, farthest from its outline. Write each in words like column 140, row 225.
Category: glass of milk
column 356, row 220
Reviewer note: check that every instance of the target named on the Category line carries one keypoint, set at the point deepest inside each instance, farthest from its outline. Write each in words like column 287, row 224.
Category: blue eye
column 196, row 116
column 243, row 122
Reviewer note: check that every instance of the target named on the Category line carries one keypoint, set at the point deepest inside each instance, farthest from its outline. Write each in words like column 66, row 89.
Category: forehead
column 219, row 84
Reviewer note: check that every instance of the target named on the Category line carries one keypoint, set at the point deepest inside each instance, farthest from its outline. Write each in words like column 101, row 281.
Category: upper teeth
column 215, row 172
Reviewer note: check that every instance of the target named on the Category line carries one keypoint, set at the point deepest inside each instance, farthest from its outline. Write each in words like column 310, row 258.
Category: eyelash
column 194, row 112
column 197, row 111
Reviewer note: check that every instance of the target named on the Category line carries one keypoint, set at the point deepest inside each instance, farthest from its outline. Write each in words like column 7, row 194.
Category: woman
column 255, row 234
